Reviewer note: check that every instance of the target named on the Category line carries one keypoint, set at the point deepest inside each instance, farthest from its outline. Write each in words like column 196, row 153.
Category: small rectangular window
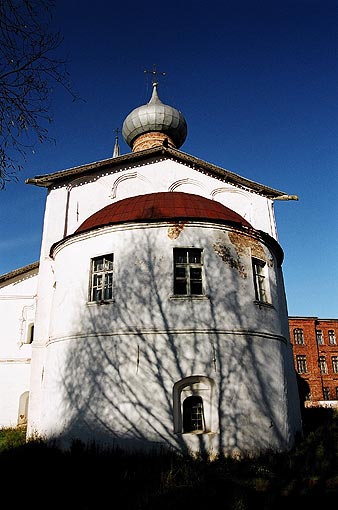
column 301, row 364
column 259, row 274
column 336, row 392
column 322, row 364
column 332, row 337
column 101, row 283
column 319, row 337
column 334, row 364
column 188, row 275
column 326, row 393
column 298, row 336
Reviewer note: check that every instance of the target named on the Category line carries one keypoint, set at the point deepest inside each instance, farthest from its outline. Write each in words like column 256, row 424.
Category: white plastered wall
column 17, row 311
column 102, row 362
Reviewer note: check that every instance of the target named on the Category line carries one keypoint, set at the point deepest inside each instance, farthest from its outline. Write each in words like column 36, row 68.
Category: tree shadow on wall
column 123, row 358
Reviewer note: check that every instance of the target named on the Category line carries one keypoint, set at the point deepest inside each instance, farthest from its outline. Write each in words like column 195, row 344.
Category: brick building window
column 336, row 392
column 322, row 364
column 319, row 337
column 334, row 364
column 188, row 267
column 332, row 337
column 326, row 393
column 298, row 336
column 301, row 364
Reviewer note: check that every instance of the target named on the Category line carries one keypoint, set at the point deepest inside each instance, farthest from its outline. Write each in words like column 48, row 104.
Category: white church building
column 156, row 316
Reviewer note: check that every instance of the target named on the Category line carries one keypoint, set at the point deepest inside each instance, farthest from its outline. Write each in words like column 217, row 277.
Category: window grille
column 101, row 288
column 259, row 280
column 188, row 267
column 193, row 414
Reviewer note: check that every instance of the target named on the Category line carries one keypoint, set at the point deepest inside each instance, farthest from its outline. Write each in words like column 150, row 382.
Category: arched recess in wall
column 236, row 199
column 189, row 186
column 23, row 408
column 73, row 213
column 117, row 190
column 27, row 324
column 77, row 212
column 192, row 404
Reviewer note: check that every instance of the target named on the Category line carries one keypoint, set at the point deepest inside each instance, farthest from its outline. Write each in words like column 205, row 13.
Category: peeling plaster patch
column 175, row 230
column 243, row 244
column 240, row 242
column 224, row 252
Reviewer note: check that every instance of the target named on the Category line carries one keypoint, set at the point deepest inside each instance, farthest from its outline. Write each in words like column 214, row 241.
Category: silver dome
column 155, row 116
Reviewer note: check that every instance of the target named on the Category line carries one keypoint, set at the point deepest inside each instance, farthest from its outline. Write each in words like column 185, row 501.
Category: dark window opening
column 188, row 272
column 259, row 280
column 326, row 393
column 30, row 336
column 193, row 414
column 335, row 364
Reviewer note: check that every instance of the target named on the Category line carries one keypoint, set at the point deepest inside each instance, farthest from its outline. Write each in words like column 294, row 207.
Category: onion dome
column 154, row 124
column 163, row 206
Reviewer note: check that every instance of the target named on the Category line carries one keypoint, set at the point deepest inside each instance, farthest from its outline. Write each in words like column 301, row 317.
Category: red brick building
column 315, row 351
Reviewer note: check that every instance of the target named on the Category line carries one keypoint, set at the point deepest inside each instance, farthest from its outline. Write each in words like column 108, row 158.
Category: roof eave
column 18, row 272
column 49, row 180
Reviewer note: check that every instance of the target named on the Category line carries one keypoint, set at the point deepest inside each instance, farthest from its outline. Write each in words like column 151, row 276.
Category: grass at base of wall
column 12, row 437
column 88, row 479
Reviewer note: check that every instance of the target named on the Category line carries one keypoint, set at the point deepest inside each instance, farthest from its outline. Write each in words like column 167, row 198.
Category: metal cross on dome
column 155, row 73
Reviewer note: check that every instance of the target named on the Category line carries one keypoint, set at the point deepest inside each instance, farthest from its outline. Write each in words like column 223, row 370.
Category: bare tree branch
column 28, row 70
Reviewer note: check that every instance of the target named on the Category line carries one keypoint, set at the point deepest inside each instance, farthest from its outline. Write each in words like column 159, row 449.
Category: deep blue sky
column 257, row 83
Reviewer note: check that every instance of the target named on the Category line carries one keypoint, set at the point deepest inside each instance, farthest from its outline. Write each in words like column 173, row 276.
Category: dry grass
column 86, row 479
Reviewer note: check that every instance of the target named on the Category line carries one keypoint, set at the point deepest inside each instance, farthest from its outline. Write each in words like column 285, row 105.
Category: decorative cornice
column 154, row 154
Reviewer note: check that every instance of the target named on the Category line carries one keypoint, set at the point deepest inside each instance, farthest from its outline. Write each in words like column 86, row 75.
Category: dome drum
column 152, row 139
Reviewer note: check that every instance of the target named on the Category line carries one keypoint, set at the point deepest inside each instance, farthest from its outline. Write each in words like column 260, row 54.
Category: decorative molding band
column 146, row 332
column 13, row 296
column 181, row 182
column 121, row 178
column 19, row 361
column 235, row 191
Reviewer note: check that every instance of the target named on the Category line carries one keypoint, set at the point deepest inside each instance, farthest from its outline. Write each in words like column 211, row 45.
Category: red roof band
column 162, row 206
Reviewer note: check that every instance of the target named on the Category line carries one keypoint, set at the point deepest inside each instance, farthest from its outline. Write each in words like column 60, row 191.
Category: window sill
column 261, row 304
column 196, row 433
column 98, row 303
column 177, row 297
